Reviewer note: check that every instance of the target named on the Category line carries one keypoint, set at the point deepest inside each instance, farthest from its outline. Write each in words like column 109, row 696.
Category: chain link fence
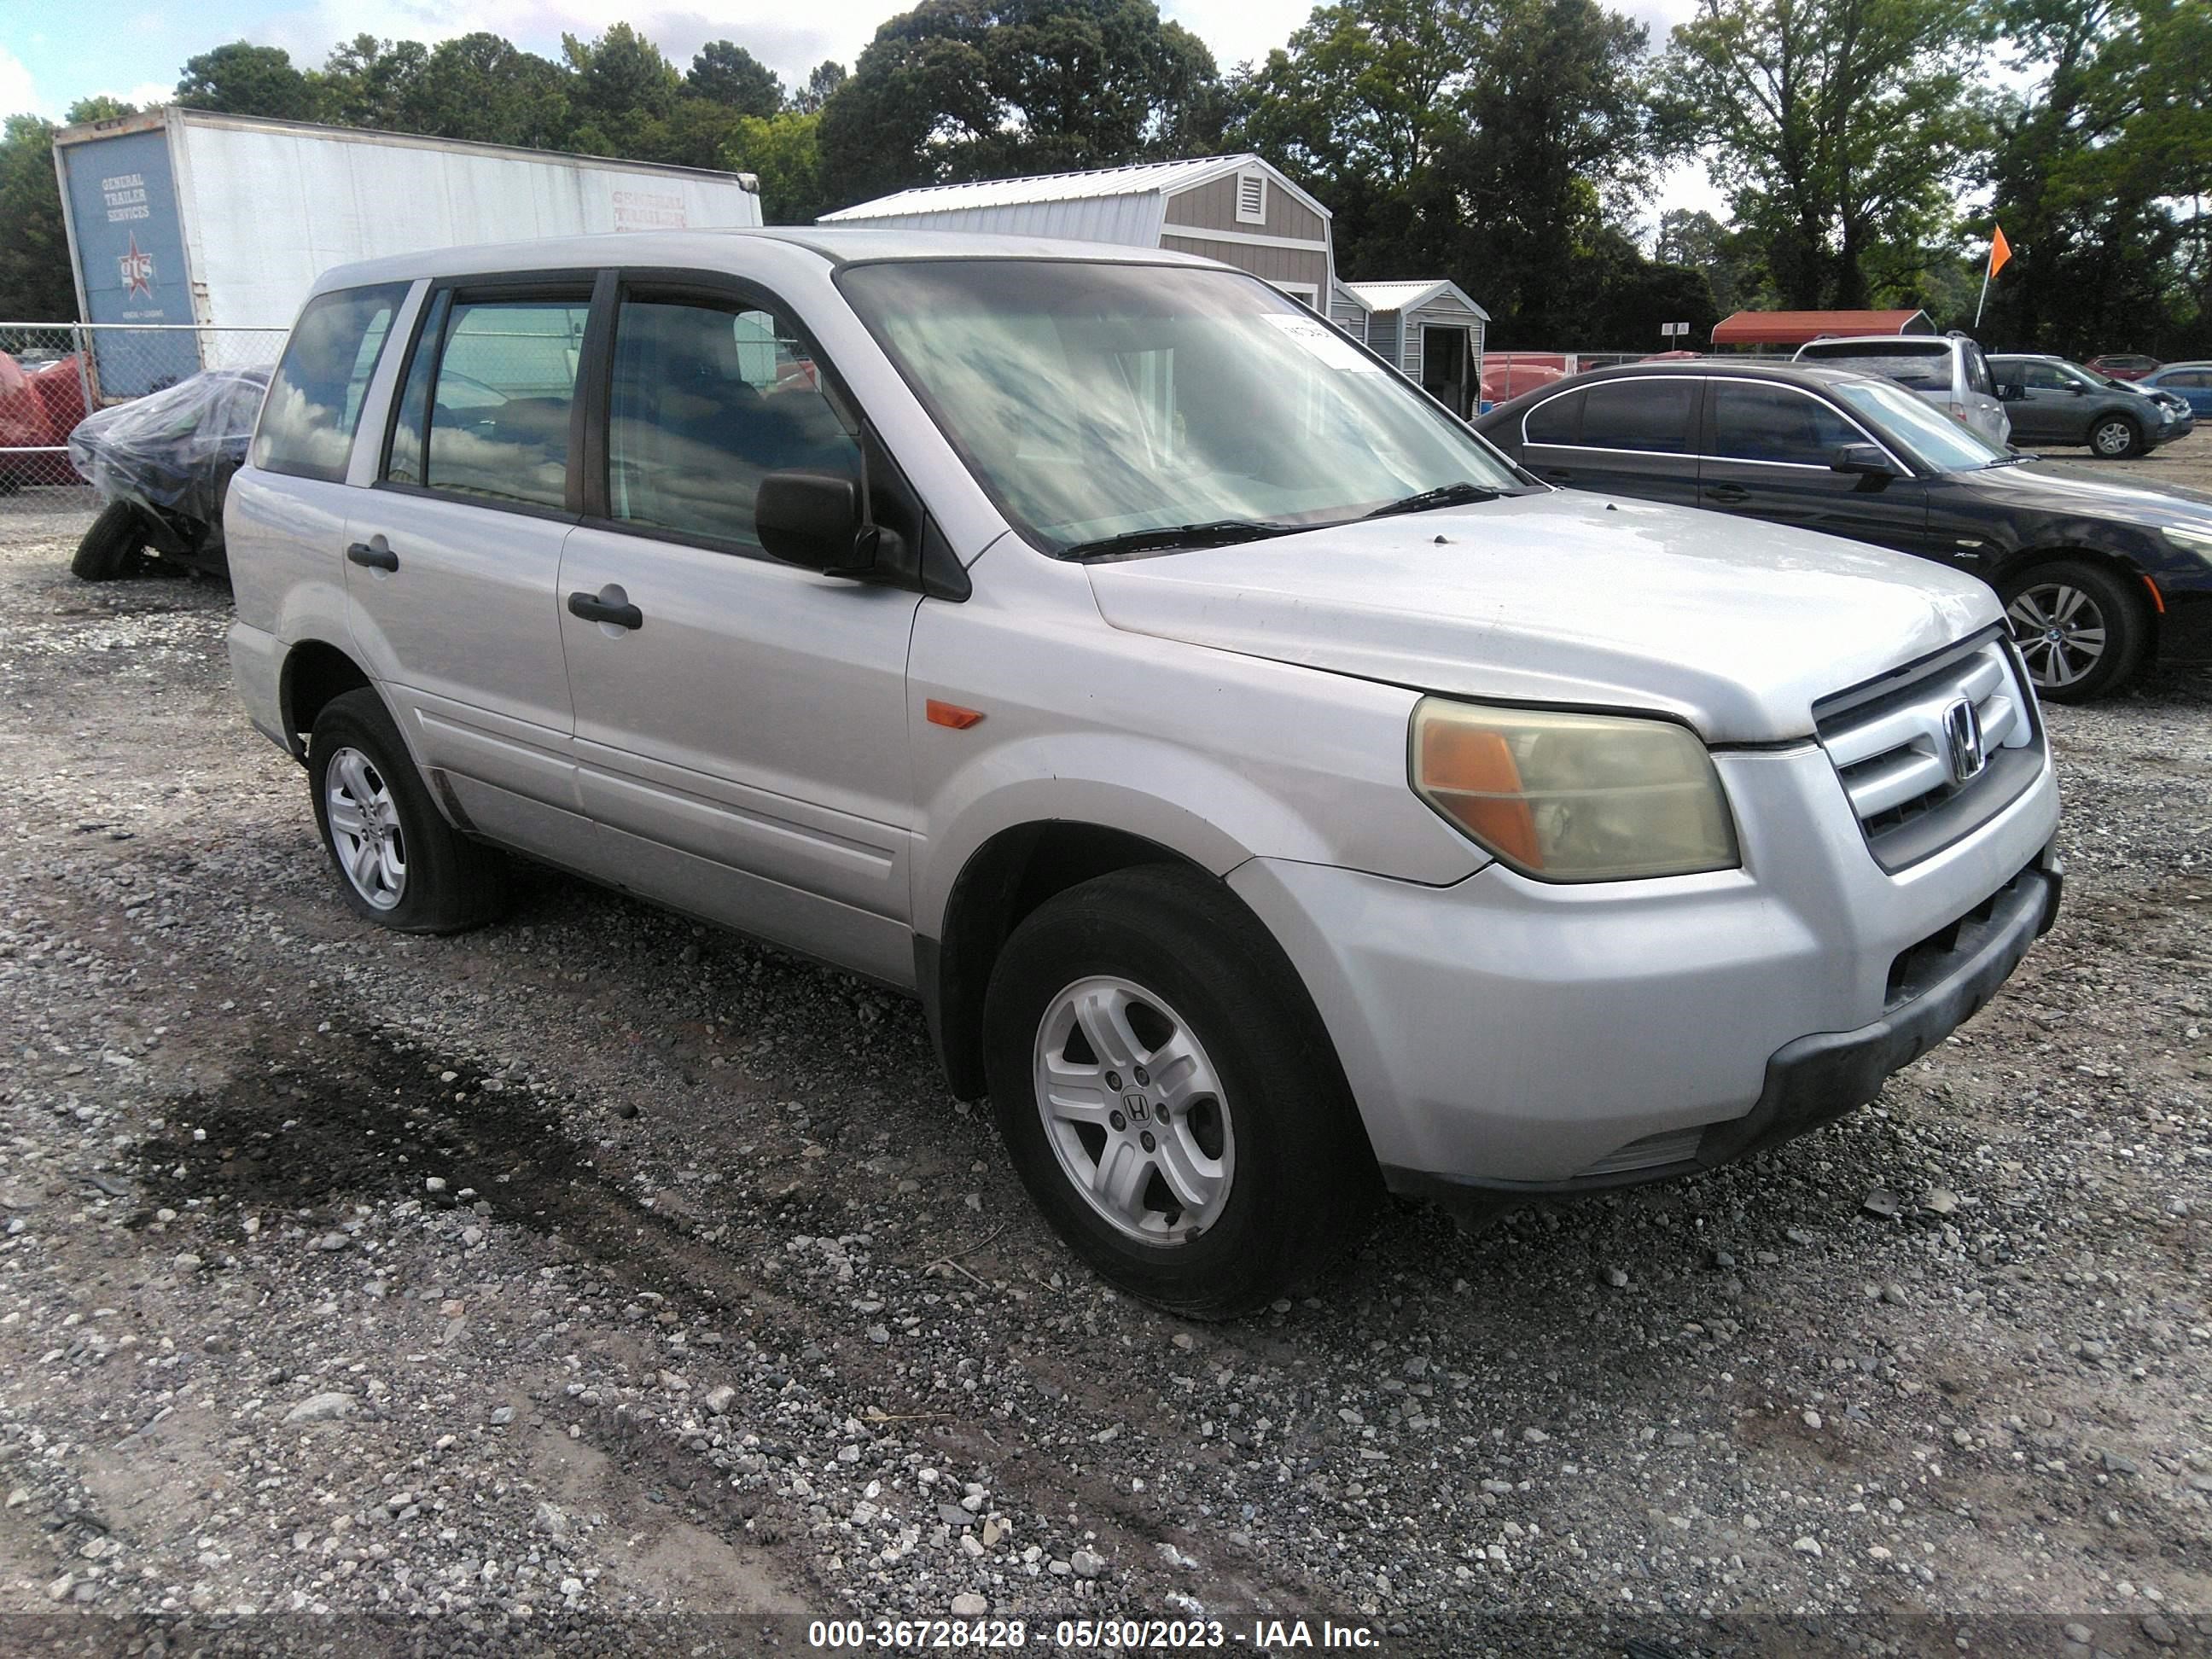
column 53, row 374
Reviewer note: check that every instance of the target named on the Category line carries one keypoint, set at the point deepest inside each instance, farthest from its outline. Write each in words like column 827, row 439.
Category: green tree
column 481, row 87
column 367, row 83
column 958, row 89
column 1835, row 126
column 1695, row 241
column 785, row 150
column 823, row 79
column 724, row 73
column 242, row 79
column 36, row 285
column 621, row 87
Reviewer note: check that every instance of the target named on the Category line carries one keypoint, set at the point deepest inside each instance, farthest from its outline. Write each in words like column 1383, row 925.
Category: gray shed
column 1235, row 209
column 1430, row 329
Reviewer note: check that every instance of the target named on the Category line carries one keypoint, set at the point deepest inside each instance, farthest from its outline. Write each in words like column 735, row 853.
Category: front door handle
column 1730, row 493
column 609, row 605
column 375, row 558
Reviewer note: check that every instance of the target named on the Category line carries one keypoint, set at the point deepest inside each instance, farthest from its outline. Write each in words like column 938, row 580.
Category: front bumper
column 1505, row 1035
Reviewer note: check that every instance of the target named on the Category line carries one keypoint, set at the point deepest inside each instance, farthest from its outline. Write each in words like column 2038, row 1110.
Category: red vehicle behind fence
column 40, row 407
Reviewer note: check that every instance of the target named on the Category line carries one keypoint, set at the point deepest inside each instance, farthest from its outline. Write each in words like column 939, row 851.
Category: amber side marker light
column 2157, row 598
column 951, row 714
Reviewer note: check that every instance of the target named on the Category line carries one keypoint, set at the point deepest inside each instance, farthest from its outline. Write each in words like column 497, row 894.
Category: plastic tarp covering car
column 173, row 449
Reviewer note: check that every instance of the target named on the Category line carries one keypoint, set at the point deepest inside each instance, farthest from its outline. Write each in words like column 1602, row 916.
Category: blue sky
column 52, row 54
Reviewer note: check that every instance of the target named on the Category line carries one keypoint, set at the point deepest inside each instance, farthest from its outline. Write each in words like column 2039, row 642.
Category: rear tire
column 399, row 863
column 1218, row 1100
column 2080, row 628
column 110, row 548
column 2115, row 437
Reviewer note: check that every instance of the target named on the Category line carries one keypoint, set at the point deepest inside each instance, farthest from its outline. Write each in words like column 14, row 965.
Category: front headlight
column 1569, row 797
column 2190, row 539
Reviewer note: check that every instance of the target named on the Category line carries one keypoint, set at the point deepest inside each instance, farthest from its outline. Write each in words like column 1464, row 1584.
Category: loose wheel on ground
column 1168, row 1096
column 2081, row 628
column 399, row 863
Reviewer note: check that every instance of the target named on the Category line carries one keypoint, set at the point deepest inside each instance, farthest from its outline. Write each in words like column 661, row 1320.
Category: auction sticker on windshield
column 1324, row 341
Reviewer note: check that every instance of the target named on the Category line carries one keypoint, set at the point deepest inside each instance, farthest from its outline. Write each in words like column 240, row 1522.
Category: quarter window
column 314, row 401
column 707, row 401
column 1754, row 422
column 1644, row 415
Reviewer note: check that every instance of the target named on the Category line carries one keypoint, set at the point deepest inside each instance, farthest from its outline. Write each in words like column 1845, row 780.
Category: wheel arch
column 2139, row 583
column 315, row 671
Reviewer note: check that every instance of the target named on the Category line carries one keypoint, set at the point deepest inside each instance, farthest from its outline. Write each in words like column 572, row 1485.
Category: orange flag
column 2000, row 250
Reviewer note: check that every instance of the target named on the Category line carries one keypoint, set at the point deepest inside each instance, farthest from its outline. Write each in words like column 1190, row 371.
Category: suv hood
column 1735, row 627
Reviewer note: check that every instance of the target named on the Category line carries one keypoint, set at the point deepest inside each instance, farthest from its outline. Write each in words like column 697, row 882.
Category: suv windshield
column 1925, row 366
column 1097, row 402
column 1930, row 434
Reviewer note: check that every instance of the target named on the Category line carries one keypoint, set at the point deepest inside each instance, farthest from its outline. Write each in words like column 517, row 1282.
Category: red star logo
column 138, row 269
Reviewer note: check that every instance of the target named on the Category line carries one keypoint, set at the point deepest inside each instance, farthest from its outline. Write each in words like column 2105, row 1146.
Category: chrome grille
column 1894, row 754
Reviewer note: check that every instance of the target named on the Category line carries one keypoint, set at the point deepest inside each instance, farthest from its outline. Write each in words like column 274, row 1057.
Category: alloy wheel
column 1134, row 1111
column 2060, row 631
column 2113, row 438
column 365, row 831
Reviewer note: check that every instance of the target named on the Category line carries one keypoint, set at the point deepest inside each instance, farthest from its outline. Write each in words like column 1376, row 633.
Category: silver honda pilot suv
column 1273, row 796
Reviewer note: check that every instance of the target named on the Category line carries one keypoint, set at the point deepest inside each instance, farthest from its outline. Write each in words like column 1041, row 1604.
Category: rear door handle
column 376, row 558
column 609, row 605
column 1728, row 493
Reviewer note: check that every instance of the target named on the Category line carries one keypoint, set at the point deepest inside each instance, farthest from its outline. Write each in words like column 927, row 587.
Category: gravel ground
column 596, row 1270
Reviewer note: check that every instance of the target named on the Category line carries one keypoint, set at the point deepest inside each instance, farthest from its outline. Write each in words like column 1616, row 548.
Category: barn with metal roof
column 1431, row 329
column 1235, row 209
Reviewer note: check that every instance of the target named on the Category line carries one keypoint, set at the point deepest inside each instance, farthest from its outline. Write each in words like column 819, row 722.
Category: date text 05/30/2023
column 1260, row 1636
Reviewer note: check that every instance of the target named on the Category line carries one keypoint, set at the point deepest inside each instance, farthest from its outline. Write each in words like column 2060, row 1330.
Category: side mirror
column 2077, row 388
column 812, row 520
column 2011, row 392
column 1865, row 459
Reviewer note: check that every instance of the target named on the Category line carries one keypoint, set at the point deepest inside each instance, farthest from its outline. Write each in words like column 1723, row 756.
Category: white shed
column 1430, row 329
column 1235, row 209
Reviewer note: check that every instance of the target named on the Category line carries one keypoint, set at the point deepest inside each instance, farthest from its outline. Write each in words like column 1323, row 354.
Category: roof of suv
column 833, row 244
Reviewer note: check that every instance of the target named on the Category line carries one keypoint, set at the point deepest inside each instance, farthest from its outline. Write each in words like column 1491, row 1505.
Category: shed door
column 1445, row 373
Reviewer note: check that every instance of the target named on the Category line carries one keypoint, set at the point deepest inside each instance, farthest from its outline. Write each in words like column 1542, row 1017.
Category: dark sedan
column 2052, row 401
column 2097, row 577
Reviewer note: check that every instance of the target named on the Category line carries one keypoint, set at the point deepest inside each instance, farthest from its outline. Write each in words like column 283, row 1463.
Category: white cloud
column 18, row 96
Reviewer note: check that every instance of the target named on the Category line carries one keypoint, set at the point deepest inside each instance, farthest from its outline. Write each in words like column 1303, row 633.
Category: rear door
column 1770, row 451
column 453, row 558
column 741, row 728
column 1631, row 436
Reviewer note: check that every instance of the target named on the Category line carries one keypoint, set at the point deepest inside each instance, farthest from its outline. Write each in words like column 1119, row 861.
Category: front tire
column 399, row 863
column 1168, row 1096
column 2115, row 437
column 2080, row 629
column 110, row 548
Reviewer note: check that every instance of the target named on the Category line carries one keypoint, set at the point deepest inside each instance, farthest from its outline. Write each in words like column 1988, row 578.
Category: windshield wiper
column 1214, row 533
column 1450, row 494
column 2009, row 460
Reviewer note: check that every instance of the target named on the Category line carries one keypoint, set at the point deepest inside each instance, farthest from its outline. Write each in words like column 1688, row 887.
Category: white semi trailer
column 185, row 217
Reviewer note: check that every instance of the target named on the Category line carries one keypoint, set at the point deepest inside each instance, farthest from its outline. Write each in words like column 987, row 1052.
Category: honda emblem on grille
column 1962, row 741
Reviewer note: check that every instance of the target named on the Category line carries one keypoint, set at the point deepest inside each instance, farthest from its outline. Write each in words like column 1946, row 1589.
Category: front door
column 1770, row 451
column 740, row 722
column 453, row 558
column 1444, row 368
column 2051, row 412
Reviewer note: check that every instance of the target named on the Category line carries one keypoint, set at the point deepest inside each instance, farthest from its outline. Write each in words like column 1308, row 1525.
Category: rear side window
column 506, row 380
column 1756, row 422
column 1557, row 421
column 314, row 402
column 1645, row 415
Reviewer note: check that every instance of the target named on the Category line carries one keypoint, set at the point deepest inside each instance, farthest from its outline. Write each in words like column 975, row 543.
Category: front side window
column 2042, row 377
column 1933, row 437
column 706, row 401
column 497, row 426
column 314, row 400
column 1096, row 400
column 1643, row 415
column 1756, row 422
